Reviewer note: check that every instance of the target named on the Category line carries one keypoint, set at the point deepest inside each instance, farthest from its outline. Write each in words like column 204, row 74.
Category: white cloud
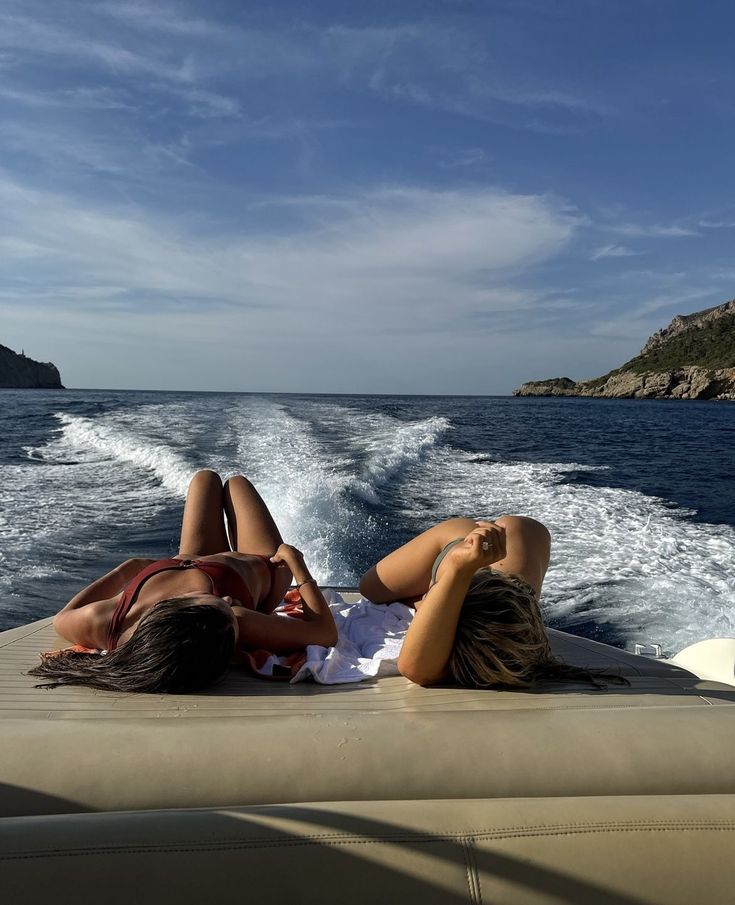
column 19, row 32
column 163, row 18
column 404, row 61
column 614, row 251
column 95, row 98
column 716, row 224
column 679, row 303
column 640, row 321
column 377, row 261
column 164, row 48
column 653, row 230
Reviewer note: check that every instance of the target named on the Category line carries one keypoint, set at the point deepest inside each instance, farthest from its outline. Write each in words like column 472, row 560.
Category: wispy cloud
column 382, row 258
column 716, row 224
column 653, row 230
column 403, row 62
column 640, row 320
column 451, row 159
column 26, row 33
column 82, row 98
column 678, row 303
column 614, row 251
column 165, row 18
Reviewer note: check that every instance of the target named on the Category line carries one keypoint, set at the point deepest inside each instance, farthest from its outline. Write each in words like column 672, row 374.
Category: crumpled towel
column 370, row 637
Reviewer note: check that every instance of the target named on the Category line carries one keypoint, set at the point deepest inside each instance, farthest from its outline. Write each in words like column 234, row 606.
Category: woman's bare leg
column 203, row 525
column 405, row 574
column 252, row 530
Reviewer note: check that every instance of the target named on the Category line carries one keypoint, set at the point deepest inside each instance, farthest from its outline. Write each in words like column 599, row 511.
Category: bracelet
column 307, row 581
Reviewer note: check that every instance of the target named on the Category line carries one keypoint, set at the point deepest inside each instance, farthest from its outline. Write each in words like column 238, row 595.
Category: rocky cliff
column 17, row 371
column 692, row 358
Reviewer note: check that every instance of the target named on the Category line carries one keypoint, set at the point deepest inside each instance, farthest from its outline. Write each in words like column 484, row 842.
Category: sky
column 413, row 196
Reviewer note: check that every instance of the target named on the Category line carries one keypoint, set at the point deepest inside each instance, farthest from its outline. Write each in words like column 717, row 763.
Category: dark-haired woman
column 175, row 625
column 475, row 586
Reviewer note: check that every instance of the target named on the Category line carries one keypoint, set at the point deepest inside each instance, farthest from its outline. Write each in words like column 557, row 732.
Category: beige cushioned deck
column 667, row 850
column 440, row 795
column 246, row 741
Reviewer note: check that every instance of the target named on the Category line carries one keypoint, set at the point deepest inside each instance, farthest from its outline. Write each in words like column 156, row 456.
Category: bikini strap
column 130, row 594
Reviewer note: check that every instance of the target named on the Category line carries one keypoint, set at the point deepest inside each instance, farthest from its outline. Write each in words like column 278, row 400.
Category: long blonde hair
column 501, row 639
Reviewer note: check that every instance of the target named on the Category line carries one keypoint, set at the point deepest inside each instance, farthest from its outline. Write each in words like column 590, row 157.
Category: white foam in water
column 104, row 479
column 114, row 438
column 621, row 560
column 625, row 567
column 302, row 486
column 310, row 490
column 383, row 447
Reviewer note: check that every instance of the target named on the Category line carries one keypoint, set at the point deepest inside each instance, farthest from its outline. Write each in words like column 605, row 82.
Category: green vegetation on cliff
column 709, row 345
column 692, row 358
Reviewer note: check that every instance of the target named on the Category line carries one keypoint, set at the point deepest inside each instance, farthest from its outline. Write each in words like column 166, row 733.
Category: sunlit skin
column 227, row 524
column 513, row 544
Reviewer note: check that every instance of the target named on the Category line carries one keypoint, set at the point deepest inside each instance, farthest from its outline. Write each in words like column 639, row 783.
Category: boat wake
column 346, row 485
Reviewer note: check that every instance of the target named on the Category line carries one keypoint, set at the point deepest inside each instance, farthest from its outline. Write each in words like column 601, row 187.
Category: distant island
column 20, row 372
column 692, row 358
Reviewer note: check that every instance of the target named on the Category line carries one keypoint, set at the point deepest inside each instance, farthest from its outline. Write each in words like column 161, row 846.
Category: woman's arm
column 282, row 634
column 108, row 585
column 405, row 574
column 430, row 636
column 83, row 623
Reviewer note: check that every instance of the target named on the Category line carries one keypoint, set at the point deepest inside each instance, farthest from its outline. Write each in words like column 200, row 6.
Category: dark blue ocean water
column 639, row 495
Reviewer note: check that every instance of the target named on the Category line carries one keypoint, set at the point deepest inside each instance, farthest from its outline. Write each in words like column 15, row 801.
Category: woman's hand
column 482, row 547
column 278, row 634
column 289, row 556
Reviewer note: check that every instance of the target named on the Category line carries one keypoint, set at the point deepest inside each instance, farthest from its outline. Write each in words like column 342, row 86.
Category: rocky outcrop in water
column 18, row 371
column 692, row 358
column 556, row 386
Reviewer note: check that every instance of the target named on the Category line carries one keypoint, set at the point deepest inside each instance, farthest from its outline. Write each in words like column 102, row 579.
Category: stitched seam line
column 473, row 877
column 378, row 840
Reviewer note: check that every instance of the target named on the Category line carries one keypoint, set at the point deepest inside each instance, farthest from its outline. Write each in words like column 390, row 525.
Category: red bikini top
column 225, row 581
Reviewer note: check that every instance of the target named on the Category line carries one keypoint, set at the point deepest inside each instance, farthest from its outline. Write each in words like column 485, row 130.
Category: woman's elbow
column 367, row 586
column 331, row 637
column 415, row 674
column 326, row 635
column 60, row 627
column 373, row 589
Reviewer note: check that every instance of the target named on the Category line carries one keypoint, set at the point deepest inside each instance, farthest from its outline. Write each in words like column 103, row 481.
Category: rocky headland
column 20, row 372
column 692, row 358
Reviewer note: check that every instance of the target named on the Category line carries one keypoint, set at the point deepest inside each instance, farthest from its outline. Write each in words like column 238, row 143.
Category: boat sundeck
column 381, row 791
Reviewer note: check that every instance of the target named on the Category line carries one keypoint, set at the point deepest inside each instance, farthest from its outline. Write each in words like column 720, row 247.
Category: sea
column 639, row 496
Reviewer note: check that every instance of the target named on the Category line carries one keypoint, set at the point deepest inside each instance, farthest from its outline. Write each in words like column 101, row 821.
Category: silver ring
column 485, row 546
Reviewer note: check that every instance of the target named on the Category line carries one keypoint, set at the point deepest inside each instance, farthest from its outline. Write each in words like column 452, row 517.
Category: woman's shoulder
column 89, row 624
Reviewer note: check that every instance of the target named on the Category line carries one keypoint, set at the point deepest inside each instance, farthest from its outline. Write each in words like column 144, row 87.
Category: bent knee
column 524, row 524
column 239, row 480
column 206, row 475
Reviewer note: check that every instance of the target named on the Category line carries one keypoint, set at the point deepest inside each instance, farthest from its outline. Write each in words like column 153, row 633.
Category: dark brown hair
column 501, row 639
column 178, row 647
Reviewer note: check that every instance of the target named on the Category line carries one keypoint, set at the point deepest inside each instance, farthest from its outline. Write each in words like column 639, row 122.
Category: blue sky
column 419, row 197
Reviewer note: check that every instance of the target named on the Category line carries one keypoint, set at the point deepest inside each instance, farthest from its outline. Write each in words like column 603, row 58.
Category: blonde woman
column 475, row 586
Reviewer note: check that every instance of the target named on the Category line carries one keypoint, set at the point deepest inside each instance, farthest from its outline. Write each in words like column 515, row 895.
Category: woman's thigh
column 250, row 524
column 203, row 525
column 405, row 574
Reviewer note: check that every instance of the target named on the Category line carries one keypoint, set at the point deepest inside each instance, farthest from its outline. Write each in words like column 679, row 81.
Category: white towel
column 370, row 636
